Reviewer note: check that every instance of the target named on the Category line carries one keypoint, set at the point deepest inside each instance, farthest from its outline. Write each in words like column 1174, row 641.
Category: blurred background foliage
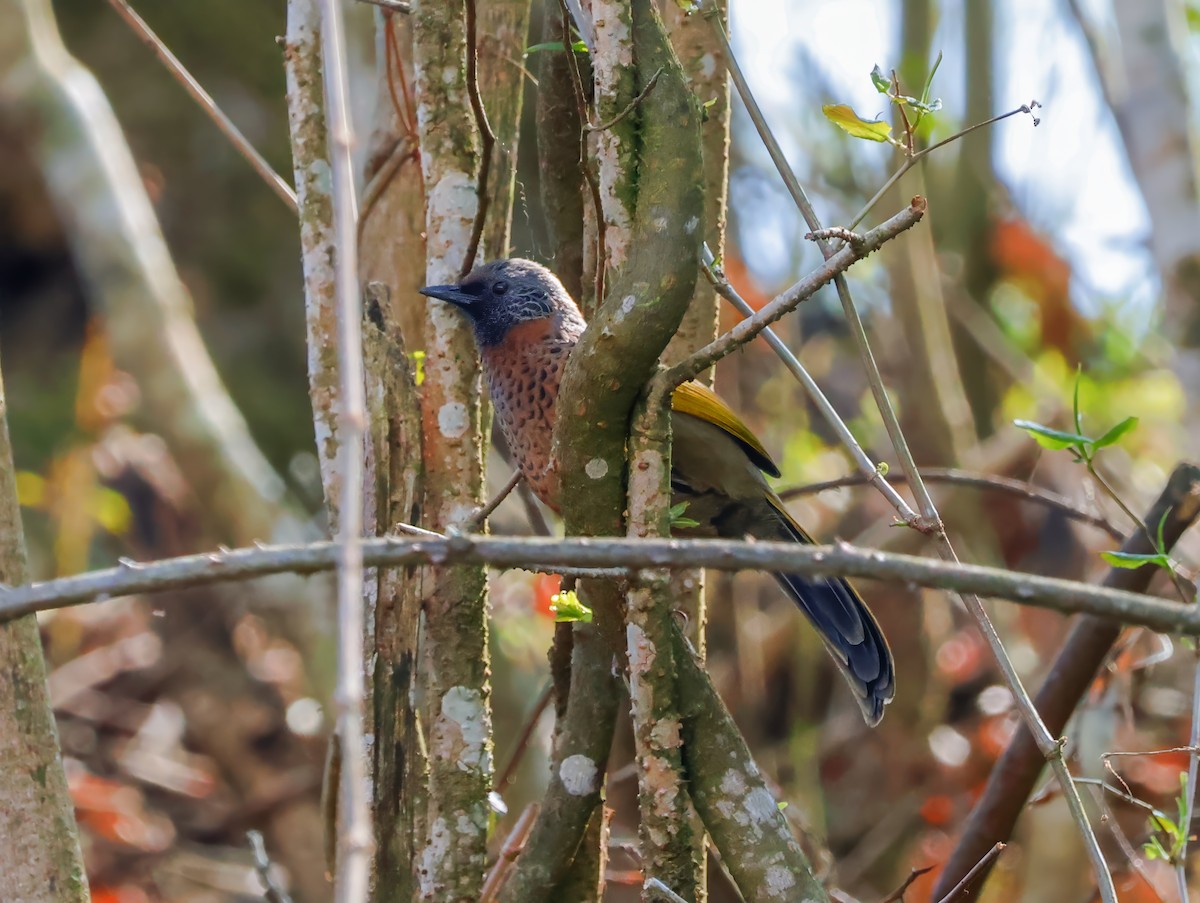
column 1037, row 262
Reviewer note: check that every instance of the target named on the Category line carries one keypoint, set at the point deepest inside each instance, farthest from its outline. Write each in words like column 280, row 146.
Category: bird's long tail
column 847, row 626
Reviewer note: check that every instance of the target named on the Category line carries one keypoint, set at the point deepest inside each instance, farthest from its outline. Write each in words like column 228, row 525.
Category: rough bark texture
column 39, row 858
column 452, row 862
column 400, row 763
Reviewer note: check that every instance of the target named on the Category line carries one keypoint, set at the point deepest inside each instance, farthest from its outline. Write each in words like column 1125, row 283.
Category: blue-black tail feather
column 847, row 626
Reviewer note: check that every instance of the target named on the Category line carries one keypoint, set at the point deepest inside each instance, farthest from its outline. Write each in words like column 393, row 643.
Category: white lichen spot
column 779, row 880
column 466, row 826
column 432, row 857
column 464, row 707
column 453, row 420
column 733, row 784
column 761, row 805
column 708, row 65
column 452, row 205
column 666, row 734
column 626, row 308
column 460, row 515
column 596, row 468
column 661, row 223
column 578, row 775
column 691, row 225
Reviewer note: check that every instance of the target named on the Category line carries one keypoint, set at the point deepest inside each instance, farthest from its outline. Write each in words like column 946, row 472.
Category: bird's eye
column 500, row 288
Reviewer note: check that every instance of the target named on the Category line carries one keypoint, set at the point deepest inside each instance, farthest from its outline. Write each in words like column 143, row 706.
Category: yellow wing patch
column 699, row 401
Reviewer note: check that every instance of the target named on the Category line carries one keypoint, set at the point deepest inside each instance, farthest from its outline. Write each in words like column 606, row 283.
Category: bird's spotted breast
column 523, row 373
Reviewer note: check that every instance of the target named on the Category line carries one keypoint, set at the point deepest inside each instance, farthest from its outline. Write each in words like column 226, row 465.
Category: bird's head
column 499, row 295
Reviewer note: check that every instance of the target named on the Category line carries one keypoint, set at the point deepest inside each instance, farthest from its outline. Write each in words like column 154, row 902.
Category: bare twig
column 590, row 555
column 487, row 141
column 274, row 180
column 897, row 896
column 870, row 470
column 609, row 123
column 961, row 888
column 513, row 844
column 531, row 722
column 785, row 303
column 395, row 6
column 955, row 477
column 356, row 841
column 912, row 159
column 272, row 892
column 1193, row 768
column 477, row 519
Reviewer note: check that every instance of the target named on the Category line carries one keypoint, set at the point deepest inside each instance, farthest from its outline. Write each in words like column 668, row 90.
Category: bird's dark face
column 497, row 296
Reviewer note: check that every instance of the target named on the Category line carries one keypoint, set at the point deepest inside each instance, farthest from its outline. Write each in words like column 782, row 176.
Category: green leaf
column 1051, row 438
column 688, row 6
column 567, row 608
column 929, row 82
column 1114, row 434
column 854, row 125
column 556, row 47
column 1075, row 403
column 1130, row 560
column 882, row 468
column 882, row 83
column 677, row 518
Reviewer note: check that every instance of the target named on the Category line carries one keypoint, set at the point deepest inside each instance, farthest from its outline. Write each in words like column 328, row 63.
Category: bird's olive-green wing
column 697, row 400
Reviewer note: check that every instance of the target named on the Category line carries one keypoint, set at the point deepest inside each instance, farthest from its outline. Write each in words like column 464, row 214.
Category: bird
column 526, row 325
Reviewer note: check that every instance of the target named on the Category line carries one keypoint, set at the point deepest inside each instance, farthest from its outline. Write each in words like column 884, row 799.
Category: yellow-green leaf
column 852, row 124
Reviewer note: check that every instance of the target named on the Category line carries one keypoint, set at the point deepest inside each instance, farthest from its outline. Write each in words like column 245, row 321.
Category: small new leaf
column 881, row 82
column 1115, row 434
column 1047, row 437
column 677, row 518
column 567, row 608
column 688, row 6
column 854, row 125
column 1131, row 561
column 418, row 359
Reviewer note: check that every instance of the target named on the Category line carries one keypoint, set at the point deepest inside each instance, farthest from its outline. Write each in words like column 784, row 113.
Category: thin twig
column 395, row 6
column 272, row 892
column 241, row 143
column 509, row 852
column 477, row 519
column 487, row 141
column 984, row 863
column 783, row 304
column 531, row 723
column 357, row 838
column 605, row 126
column 870, row 470
column 897, row 896
column 588, row 175
column 912, row 160
column 956, row 477
column 588, row 555
column 1193, row 770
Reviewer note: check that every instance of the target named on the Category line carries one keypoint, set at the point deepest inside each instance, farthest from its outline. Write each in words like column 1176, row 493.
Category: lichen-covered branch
column 310, row 164
column 732, row 796
column 578, row 764
column 40, row 857
column 452, row 862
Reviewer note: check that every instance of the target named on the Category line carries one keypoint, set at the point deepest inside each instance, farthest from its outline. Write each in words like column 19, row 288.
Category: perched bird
column 526, row 326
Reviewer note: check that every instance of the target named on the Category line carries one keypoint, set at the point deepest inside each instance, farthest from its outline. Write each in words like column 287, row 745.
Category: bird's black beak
column 452, row 294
